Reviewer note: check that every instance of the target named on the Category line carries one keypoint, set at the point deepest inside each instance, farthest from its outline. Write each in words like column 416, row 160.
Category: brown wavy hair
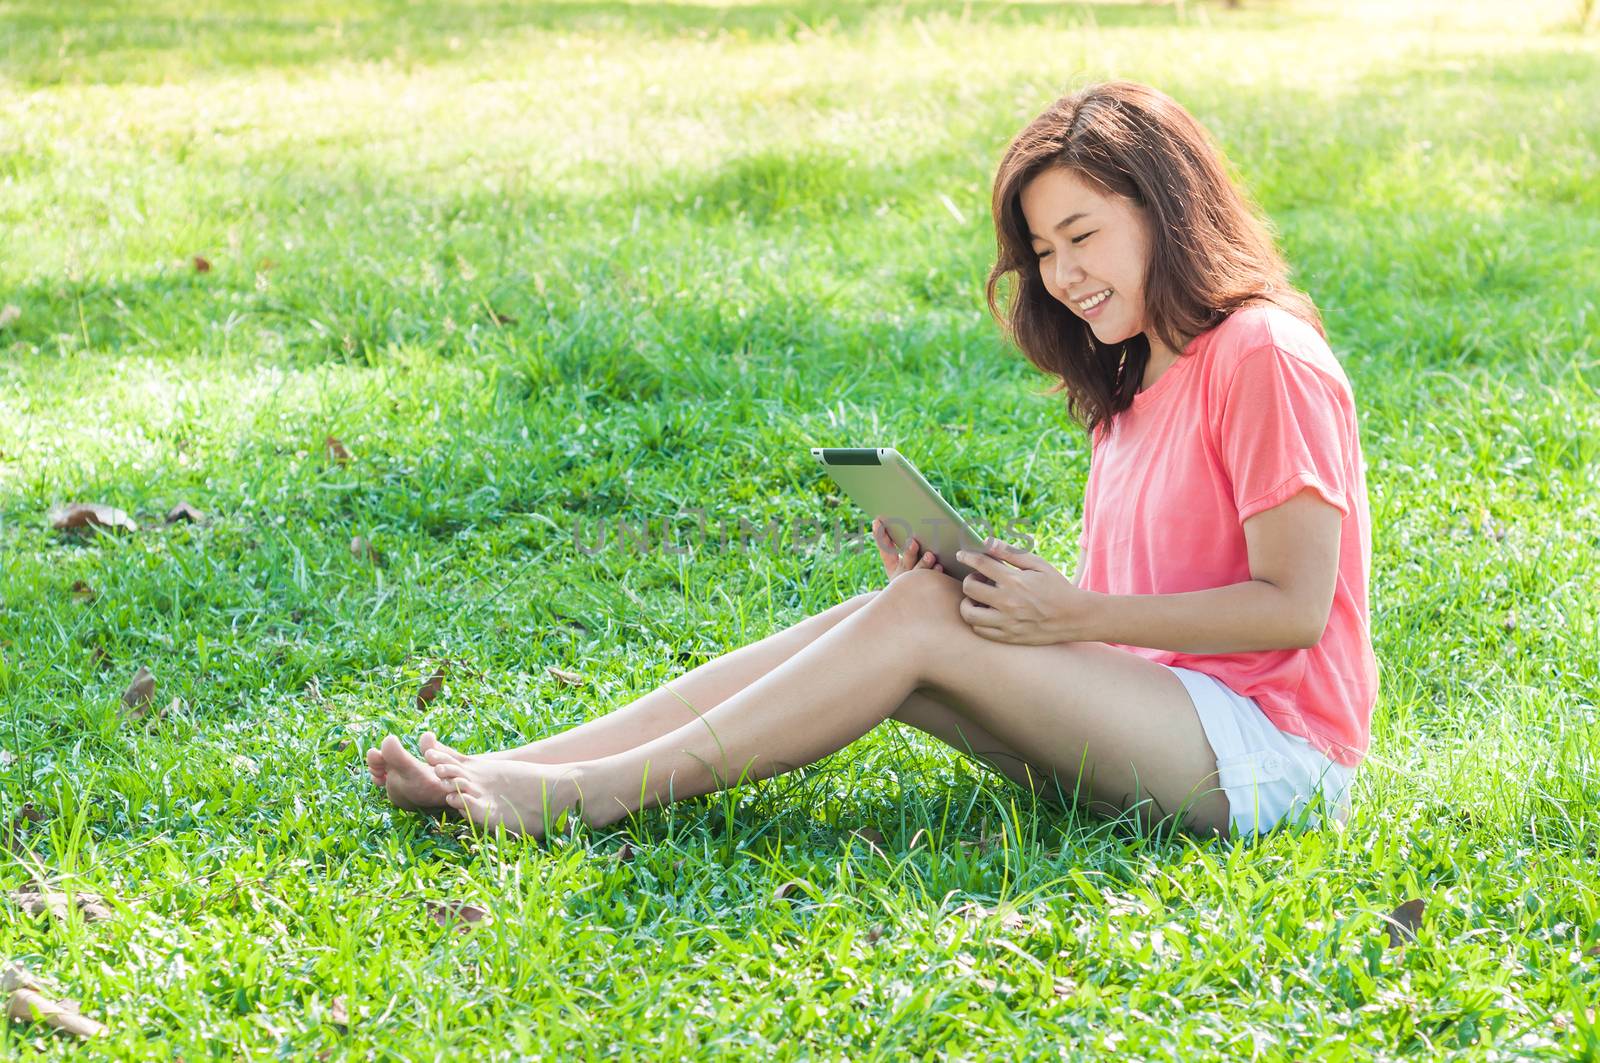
column 1211, row 249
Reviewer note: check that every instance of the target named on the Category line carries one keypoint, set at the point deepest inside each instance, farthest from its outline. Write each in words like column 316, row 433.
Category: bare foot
column 408, row 782
column 507, row 793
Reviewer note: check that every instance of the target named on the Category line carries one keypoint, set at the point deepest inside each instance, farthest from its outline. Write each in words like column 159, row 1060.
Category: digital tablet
column 881, row 481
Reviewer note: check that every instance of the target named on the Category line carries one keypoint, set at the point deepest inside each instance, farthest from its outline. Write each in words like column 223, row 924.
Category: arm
column 1294, row 562
column 1293, row 552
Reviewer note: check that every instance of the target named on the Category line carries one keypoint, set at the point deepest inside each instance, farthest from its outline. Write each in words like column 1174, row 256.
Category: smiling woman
column 1221, row 678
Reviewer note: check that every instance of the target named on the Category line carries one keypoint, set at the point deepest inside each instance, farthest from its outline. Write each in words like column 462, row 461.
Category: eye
column 1042, row 254
column 1085, row 236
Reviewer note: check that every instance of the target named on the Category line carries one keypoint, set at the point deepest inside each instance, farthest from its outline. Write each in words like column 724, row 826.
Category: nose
column 1068, row 275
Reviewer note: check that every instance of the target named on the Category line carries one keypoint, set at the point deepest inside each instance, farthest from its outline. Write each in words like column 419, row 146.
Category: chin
column 1108, row 333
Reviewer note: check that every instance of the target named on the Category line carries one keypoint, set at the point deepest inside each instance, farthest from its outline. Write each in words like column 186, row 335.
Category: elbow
column 1312, row 631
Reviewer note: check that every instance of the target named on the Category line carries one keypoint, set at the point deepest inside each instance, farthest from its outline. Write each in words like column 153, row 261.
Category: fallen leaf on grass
column 202, row 264
column 337, row 453
column 430, row 687
column 56, row 903
column 140, row 693
column 78, row 516
column 452, row 913
column 984, row 841
column 9, row 314
column 27, row 1003
column 625, row 854
column 871, row 835
column 185, row 512
column 339, row 1013
column 789, row 891
column 81, row 591
column 1404, row 921
column 571, row 678
column 365, row 551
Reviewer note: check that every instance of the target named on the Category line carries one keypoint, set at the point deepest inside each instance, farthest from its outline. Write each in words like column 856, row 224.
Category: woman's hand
column 895, row 562
column 1026, row 600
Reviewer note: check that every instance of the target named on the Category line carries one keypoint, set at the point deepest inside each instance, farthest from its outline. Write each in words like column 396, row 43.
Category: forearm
column 1238, row 618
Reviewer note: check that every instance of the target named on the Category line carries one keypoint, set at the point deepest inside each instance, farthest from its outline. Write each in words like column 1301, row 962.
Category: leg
column 1127, row 719
column 412, row 785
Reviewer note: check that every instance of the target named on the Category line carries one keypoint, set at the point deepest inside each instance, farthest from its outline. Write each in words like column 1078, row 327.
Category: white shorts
column 1269, row 776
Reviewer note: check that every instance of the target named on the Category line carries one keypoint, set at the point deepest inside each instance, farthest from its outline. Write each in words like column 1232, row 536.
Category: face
column 1092, row 249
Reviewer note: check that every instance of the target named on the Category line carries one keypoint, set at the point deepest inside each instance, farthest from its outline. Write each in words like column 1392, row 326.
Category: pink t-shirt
column 1254, row 411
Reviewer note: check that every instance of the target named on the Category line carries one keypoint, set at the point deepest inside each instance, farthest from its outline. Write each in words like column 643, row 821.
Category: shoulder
column 1266, row 337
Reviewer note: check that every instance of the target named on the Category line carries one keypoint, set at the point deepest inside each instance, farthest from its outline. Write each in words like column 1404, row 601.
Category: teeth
column 1095, row 300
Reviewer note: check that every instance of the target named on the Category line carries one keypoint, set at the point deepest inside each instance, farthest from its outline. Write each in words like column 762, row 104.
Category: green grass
column 722, row 234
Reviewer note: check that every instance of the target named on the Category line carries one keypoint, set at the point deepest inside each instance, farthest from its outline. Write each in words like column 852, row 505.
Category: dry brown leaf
column 871, row 835
column 56, row 903
column 1404, row 921
column 875, row 935
column 365, row 551
column 337, row 453
column 430, row 687
column 80, row 516
column 985, row 841
column 185, row 512
column 625, row 854
column 30, row 813
column 9, row 314
column 27, row 1002
column 81, row 591
column 140, row 693
column 100, row 657
column 201, row 264
column 339, row 1012
column 448, row 913
column 571, row 678
column 789, row 891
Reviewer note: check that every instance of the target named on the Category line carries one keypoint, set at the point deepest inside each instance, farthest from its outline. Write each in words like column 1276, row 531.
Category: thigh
column 1125, row 723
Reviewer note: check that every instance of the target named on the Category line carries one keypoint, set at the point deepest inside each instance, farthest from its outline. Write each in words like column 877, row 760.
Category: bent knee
column 922, row 592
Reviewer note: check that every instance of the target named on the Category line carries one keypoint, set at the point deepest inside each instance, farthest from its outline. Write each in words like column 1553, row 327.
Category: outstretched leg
column 1129, row 720
column 412, row 785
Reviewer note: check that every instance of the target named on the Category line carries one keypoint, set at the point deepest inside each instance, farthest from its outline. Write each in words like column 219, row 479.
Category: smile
column 1095, row 300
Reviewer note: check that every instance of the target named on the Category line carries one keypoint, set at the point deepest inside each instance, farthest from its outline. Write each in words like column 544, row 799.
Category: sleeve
column 1283, row 427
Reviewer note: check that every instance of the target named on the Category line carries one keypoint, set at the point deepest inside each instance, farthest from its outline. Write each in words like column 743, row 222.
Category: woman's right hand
column 897, row 562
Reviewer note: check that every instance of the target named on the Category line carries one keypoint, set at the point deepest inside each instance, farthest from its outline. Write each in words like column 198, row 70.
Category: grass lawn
column 551, row 270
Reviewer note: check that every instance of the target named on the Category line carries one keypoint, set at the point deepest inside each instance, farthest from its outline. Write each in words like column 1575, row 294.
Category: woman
column 1211, row 661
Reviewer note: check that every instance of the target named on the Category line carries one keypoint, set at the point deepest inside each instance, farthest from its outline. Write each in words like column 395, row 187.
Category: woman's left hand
column 1028, row 601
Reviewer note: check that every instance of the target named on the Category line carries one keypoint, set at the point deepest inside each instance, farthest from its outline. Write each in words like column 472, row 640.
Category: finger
column 982, row 593
column 990, row 566
column 975, row 614
column 1013, row 554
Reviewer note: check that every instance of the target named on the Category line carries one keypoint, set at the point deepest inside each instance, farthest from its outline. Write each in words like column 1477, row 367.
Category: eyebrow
column 1062, row 224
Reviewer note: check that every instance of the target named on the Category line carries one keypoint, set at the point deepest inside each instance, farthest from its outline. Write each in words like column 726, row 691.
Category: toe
column 477, row 808
column 448, row 770
column 392, row 751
